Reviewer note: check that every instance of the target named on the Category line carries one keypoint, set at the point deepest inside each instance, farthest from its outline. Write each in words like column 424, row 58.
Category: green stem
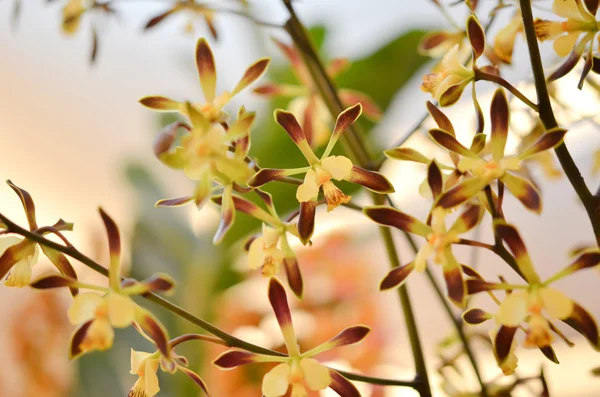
column 456, row 322
column 479, row 75
column 227, row 339
column 409, row 316
column 357, row 150
column 591, row 203
column 351, row 139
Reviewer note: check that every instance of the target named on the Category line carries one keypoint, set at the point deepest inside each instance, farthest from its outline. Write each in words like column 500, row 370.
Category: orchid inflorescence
column 213, row 149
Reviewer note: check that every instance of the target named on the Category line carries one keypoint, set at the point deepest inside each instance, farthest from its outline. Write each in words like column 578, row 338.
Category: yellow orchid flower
column 212, row 109
column 450, row 78
column 20, row 272
column 204, row 156
column 439, row 241
column 18, row 255
column 535, row 303
column 566, row 33
column 321, row 171
column 298, row 371
column 482, row 171
column 572, row 35
column 144, row 365
column 264, row 253
column 96, row 314
column 269, row 251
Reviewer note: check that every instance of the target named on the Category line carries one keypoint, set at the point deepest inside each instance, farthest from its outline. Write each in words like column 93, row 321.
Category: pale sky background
column 66, row 130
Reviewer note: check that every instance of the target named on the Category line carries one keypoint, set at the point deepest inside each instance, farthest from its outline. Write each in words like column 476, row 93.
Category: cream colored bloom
column 451, row 73
column 528, row 306
column 144, row 365
column 438, row 241
column 20, row 273
column 296, row 373
column 566, row 33
column 490, row 169
column 264, row 253
column 320, row 175
column 102, row 313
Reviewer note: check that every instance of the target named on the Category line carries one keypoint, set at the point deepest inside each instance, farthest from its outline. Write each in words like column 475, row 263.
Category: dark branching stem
column 223, row 337
column 357, row 150
column 479, row 75
column 591, row 203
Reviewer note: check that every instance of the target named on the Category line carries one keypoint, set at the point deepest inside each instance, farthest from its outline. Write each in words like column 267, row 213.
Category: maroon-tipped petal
column 440, row 118
column 152, row 327
column 396, row 276
column 279, row 303
column 207, row 73
column 372, row 180
column 583, row 322
column 53, row 281
column 500, row 116
column 77, row 338
column 266, row 175
column 342, row 386
column 475, row 316
column 306, row 220
column 503, row 342
column 434, row 179
column 449, row 142
column 294, row 276
column 196, row 378
column 112, row 231
column 349, row 336
column 174, row 202
column 234, row 358
column 455, row 285
column 62, row 263
column 14, row 254
column 476, row 36
column 27, row 202
column 389, row 216
column 346, row 119
column 289, row 123
column 566, row 66
column 158, row 19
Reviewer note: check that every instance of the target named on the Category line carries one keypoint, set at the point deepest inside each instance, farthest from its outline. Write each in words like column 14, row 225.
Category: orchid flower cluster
column 463, row 188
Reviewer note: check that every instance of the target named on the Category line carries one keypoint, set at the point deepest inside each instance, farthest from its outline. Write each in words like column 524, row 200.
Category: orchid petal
column 523, row 190
column 316, row 374
column 279, row 303
column 389, row 216
column 396, row 277
column 253, row 73
column 500, row 116
column 207, row 73
column 275, row 383
column 513, row 309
